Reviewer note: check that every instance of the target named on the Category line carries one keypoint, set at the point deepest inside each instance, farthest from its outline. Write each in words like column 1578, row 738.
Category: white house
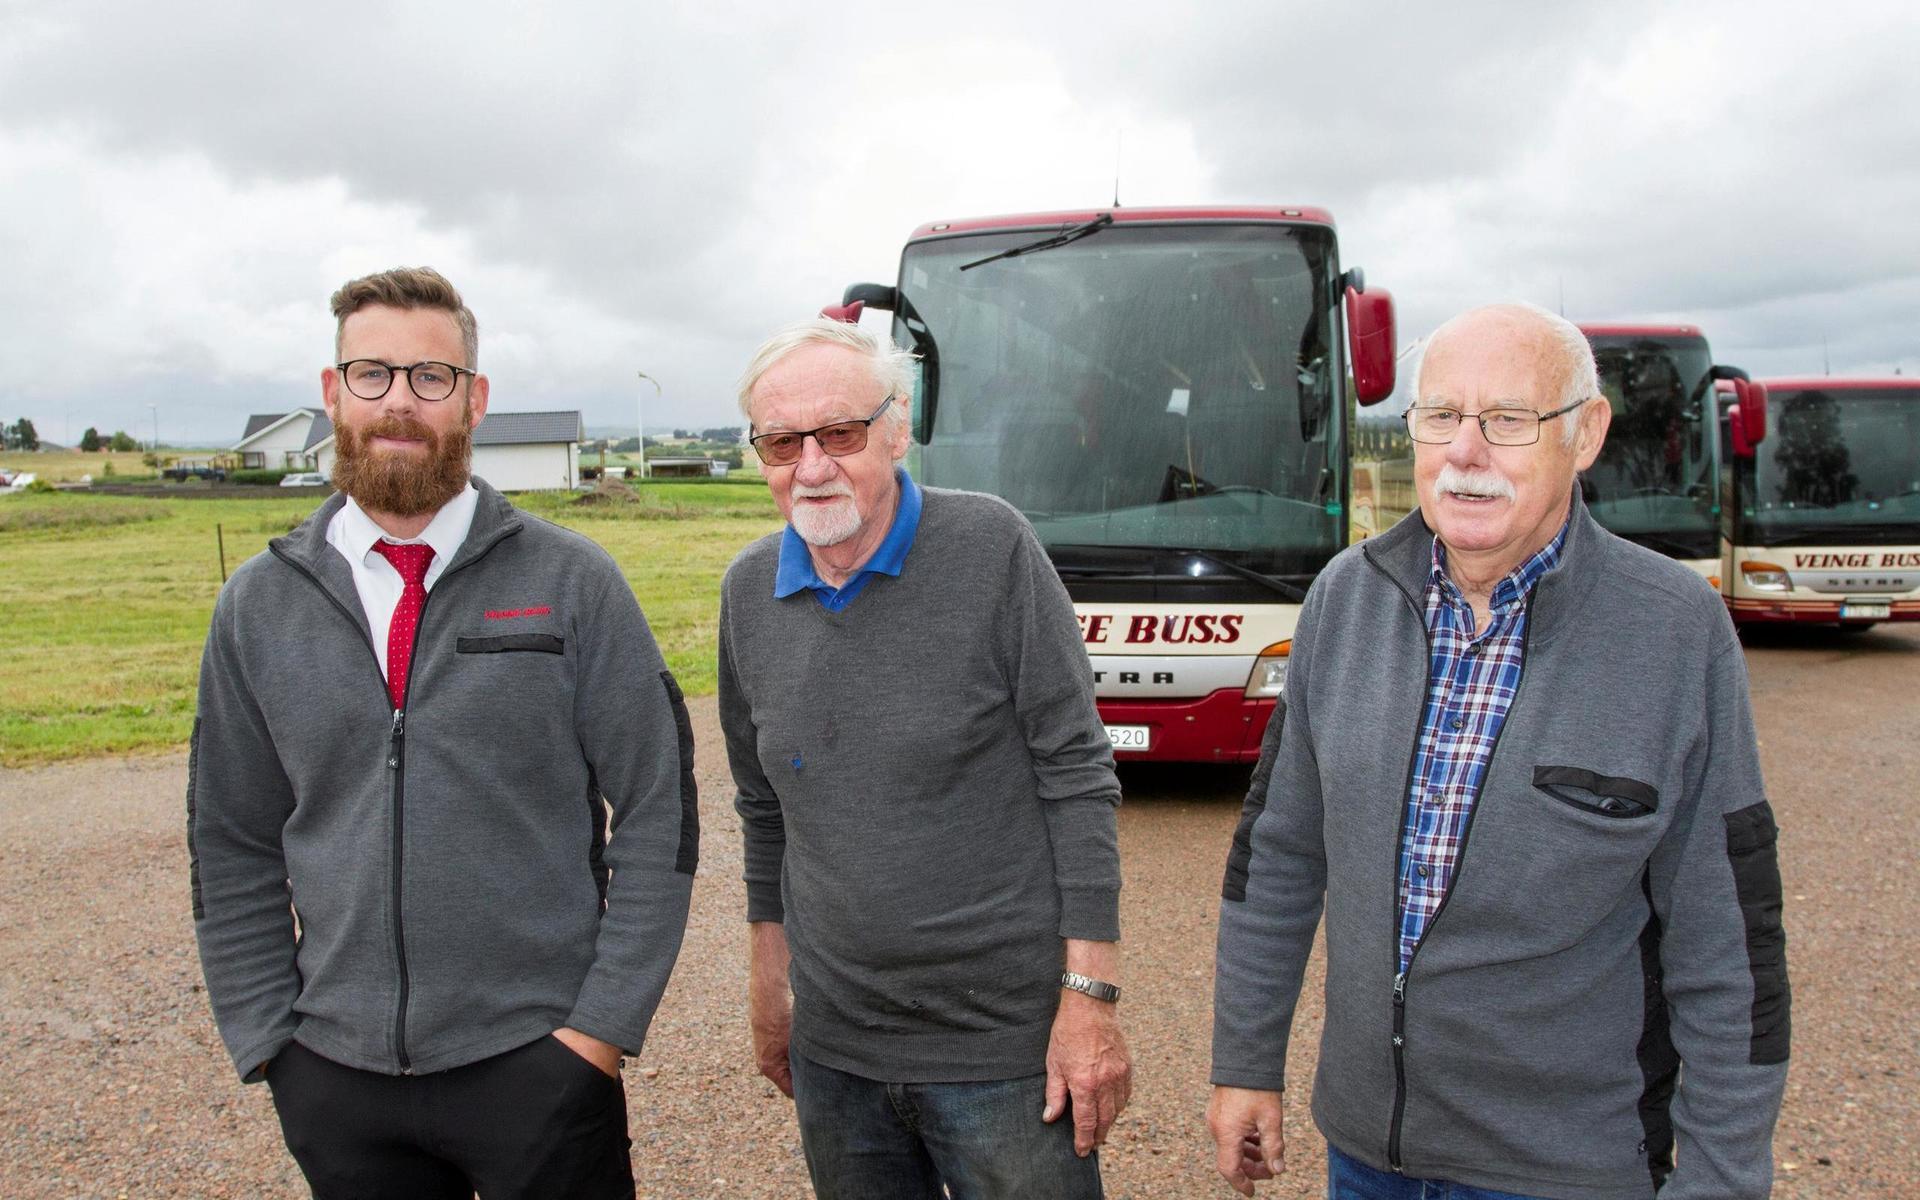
column 513, row 451
column 283, row 441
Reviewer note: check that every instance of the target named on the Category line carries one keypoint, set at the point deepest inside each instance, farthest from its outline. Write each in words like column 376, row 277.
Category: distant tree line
column 91, row 440
column 20, row 435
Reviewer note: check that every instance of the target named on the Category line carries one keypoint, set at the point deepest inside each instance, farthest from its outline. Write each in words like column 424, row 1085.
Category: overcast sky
column 622, row 187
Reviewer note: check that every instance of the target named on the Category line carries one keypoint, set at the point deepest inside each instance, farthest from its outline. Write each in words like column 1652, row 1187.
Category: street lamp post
column 641, row 407
column 155, row 444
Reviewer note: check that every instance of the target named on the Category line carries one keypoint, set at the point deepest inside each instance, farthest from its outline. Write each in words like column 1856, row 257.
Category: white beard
column 825, row 525
column 1491, row 484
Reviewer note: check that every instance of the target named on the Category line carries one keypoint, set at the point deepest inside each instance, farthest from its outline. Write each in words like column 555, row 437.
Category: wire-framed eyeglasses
column 370, row 379
column 1437, row 424
column 839, row 439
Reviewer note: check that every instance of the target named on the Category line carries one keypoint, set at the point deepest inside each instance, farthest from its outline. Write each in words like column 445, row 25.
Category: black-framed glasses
column 838, row 439
column 1436, row 424
column 370, row 379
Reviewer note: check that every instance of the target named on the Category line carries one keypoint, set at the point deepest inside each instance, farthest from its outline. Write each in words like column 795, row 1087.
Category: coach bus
column 1824, row 517
column 1656, row 480
column 1164, row 393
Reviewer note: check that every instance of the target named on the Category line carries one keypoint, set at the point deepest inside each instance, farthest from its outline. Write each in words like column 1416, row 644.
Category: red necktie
column 411, row 561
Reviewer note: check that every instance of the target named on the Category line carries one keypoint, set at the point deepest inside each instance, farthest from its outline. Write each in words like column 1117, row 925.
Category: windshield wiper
column 1047, row 243
column 1286, row 590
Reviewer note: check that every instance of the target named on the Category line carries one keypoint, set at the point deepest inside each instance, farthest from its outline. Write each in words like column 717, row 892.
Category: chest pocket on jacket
column 503, row 643
column 1590, row 791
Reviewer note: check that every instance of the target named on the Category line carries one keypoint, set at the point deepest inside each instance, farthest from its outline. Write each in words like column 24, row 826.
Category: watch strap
column 1098, row 989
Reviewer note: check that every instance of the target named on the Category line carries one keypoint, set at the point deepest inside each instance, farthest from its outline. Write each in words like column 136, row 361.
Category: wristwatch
column 1092, row 987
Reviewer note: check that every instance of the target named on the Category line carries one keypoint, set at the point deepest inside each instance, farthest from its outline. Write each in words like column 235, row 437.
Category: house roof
column 320, row 431
column 260, row 423
column 522, row 428
column 499, row 429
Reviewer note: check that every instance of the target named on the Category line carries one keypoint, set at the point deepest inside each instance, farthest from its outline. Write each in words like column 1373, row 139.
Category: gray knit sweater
column 927, row 796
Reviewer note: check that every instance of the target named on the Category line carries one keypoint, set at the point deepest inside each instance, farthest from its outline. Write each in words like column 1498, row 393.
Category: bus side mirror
column 873, row 295
column 1370, row 343
column 1742, row 448
column 1753, row 412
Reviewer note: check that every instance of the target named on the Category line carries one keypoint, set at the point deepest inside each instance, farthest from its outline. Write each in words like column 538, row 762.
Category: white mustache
column 1473, row 483
column 824, row 491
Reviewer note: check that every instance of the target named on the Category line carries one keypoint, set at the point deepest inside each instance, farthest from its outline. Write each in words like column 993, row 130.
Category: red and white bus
column 1824, row 515
column 1164, row 392
column 1657, row 479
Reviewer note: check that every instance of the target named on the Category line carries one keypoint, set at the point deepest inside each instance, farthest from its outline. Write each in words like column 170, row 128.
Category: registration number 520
column 1128, row 737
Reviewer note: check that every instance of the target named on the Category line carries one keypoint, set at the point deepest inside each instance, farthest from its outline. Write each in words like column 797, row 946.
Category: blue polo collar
column 796, row 572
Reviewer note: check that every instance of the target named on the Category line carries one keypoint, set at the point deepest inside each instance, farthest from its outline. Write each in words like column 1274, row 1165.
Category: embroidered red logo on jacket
column 501, row 614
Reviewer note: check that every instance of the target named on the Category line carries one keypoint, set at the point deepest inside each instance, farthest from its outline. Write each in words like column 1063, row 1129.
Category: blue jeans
column 867, row 1140
column 1350, row 1179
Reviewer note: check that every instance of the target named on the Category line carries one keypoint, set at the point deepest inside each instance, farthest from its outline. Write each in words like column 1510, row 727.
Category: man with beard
column 1587, row 997
column 440, row 728
column 927, row 796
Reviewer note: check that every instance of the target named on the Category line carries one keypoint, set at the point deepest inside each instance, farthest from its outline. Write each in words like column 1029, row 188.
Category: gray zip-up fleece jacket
column 457, row 892
column 1615, row 917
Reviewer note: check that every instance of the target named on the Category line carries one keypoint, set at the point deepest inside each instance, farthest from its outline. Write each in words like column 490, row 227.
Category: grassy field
column 63, row 466
column 107, row 599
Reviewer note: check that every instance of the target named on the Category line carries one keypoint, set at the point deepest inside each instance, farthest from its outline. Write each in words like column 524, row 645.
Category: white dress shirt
column 353, row 533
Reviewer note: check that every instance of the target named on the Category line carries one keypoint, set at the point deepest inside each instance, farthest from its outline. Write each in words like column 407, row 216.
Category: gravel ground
column 112, row 1082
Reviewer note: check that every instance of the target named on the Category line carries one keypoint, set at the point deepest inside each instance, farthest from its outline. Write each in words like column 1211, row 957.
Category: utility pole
column 154, row 446
column 640, row 403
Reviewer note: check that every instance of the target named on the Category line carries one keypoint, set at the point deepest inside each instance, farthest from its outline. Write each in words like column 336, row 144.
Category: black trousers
column 533, row 1122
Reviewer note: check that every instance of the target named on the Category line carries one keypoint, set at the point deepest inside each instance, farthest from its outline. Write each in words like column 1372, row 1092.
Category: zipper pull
column 1400, row 989
column 394, row 738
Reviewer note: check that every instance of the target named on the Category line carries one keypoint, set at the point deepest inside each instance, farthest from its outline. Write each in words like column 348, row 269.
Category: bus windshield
column 1147, row 386
column 1654, row 481
column 1837, row 465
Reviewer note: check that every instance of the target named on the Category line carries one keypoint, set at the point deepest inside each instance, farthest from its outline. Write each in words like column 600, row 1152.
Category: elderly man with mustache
column 927, row 796
column 1518, row 773
column 437, row 732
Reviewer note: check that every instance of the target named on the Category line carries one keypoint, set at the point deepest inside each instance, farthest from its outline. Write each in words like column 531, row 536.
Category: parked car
column 304, row 479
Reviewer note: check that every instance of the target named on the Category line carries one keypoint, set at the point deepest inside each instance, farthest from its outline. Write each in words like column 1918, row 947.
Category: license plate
column 1128, row 737
column 1864, row 612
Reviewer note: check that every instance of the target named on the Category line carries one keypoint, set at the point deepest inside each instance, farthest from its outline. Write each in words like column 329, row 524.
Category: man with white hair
column 927, row 796
column 1587, row 997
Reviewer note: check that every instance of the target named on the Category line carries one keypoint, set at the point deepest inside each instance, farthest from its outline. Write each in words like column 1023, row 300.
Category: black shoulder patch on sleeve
column 687, row 859
column 1234, row 886
column 193, row 854
column 1752, row 839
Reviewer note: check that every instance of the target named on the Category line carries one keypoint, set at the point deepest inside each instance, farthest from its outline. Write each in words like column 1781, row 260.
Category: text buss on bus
column 1163, row 392
column 1824, row 515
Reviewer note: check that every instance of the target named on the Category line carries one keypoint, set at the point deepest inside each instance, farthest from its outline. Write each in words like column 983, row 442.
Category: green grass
column 107, row 599
column 63, row 466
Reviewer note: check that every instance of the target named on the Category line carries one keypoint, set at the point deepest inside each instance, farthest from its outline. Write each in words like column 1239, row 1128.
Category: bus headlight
column 1269, row 675
column 1765, row 577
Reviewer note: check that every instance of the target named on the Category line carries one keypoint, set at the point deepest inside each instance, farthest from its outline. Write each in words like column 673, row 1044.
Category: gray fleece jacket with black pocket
column 457, row 888
column 1607, row 975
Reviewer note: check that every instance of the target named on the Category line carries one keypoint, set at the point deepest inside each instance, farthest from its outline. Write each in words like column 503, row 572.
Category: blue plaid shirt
column 1470, row 685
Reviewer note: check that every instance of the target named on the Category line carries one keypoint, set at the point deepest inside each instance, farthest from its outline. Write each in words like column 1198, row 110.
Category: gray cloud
column 652, row 187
